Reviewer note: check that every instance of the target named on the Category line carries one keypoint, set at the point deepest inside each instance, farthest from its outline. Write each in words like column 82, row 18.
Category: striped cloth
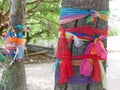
column 70, row 14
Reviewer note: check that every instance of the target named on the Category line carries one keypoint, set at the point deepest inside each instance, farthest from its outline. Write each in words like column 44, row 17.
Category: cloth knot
column 94, row 13
column 95, row 52
column 70, row 14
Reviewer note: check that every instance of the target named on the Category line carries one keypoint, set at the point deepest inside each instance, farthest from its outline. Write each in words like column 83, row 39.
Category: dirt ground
column 40, row 76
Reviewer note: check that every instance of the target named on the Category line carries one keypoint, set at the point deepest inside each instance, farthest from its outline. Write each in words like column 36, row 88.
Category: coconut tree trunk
column 85, row 5
column 14, row 78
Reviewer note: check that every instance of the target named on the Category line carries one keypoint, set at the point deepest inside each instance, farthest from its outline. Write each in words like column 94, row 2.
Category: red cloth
column 66, row 69
column 87, row 30
column 96, row 74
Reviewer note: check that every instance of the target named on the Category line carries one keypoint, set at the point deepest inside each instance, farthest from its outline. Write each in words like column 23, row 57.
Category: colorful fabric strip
column 9, row 53
column 2, row 58
column 94, row 51
column 66, row 69
column 83, row 33
column 18, row 41
column 75, row 79
column 19, row 26
column 70, row 14
column 87, row 30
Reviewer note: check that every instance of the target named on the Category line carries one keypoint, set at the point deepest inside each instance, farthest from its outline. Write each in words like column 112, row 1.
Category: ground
column 40, row 76
column 113, row 71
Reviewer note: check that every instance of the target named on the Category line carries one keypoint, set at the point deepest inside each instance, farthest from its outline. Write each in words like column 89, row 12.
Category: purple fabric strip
column 75, row 79
column 9, row 55
column 78, row 16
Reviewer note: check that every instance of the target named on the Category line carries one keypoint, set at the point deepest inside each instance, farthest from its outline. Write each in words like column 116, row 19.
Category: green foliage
column 113, row 32
column 4, row 5
column 1, row 41
column 43, row 19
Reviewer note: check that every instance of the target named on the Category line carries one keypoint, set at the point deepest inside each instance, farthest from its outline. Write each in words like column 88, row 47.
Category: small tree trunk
column 14, row 77
column 85, row 5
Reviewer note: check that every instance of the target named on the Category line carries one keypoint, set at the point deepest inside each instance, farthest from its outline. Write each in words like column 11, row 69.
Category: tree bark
column 14, row 78
column 85, row 5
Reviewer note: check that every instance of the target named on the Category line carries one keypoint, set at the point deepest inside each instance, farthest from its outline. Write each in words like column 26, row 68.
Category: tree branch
column 36, row 1
column 33, row 23
column 36, row 34
column 7, row 12
column 30, row 15
column 54, row 1
column 28, row 11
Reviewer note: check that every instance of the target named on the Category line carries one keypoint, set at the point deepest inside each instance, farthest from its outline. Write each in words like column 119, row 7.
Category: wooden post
column 14, row 77
column 85, row 5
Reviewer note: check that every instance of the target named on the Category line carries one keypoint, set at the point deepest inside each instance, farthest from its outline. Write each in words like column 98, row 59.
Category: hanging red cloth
column 66, row 69
column 95, row 51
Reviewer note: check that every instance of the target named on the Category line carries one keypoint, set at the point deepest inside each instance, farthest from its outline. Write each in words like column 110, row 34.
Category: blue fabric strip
column 73, row 11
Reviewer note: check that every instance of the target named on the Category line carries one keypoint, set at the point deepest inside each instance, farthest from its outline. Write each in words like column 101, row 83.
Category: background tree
column 41, row 18
column 13, row 77
column 85, row 5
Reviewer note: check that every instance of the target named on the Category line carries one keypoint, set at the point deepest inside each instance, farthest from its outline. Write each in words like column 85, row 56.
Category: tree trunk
column 14, row 78
column 85, row 5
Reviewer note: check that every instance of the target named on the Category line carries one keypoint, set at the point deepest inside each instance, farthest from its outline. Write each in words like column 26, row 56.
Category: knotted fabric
column 66, row 69
column 97, row 51
column 71, row 14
